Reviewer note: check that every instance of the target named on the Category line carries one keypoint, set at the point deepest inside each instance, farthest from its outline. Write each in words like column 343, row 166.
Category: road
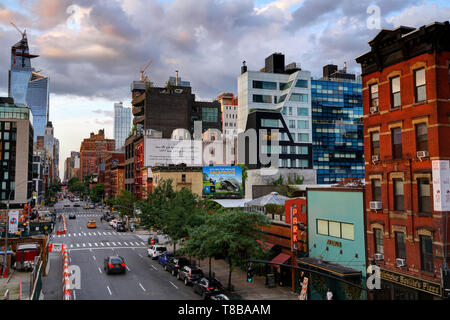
column 145, row 279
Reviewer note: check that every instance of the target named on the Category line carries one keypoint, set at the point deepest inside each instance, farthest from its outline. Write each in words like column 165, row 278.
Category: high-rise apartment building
column 406, row 92
column 122, row 124
column 229, row 105
column 337, row 127
column 16, row 153
column 280, row 88
column 93, row 152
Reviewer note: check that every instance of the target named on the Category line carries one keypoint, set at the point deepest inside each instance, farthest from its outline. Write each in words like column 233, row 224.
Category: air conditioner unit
column 373, row 109
column 422, row 154
column 400, row 262
column 376, row 158
column 178, row 90
column 379, row 256
column 375, row 205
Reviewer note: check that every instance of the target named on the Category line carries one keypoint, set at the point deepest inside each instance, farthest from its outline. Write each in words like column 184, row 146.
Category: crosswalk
column 98, row 233
column 107, row 244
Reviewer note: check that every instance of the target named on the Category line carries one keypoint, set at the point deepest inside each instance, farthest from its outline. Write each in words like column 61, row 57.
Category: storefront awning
column 265, row 245
column 330, row 267
column 281, row 258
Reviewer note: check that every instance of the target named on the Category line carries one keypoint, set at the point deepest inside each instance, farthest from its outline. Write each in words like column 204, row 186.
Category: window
column 302, row 124
column 335, row 229
column 378, row 240
column 396, row 143
column 398, row 194
column 395, row 92
column 304, row 163
column 282, row 98
column 400, row 248
column 183, row 178
column 291, row 124
column 210, row 115
column 259, row 98
column 270, row 123
column 284, row 86
column 376, row 190
column 264, row 85
column 302, row 112
column 303, row 137
column 420, row 85
column 347, row 231
column 322, row 227
column 423, row 194
column 301, row 83
column 422, row 137
column 299, row 97
column 426, row 253
column 374, row 96
column 303, row 150
column 375, row 138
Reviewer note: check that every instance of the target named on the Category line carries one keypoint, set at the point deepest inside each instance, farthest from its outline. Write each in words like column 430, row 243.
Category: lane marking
column 80, row 233
column 140, row 255
column 127, row 268
column 106, row 248
column 118, row 243
column 102, row 243
column 113, row 243
column 100, row 270
column 90, row 245
column 141, row 286
column 173, row 284
column 84, row 244
column 109, row 291
column 94, row 257
column 74, row 295
column 154, row 267
column 125, row 243
column 107, row 244
column 78, row 245
column 95, row 243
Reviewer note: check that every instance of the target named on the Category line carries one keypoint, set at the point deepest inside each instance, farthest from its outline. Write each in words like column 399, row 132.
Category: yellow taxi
column 86, row 207
column 92, row 224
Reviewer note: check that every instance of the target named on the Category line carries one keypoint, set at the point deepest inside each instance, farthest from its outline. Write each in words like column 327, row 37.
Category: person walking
column 329, row 294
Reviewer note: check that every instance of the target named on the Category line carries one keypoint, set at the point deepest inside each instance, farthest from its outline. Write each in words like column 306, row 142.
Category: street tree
column 97, row 192
column 124, row 203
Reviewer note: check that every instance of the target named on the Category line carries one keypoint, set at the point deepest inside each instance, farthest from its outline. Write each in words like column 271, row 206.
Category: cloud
column 104, row 112
column 417, row 16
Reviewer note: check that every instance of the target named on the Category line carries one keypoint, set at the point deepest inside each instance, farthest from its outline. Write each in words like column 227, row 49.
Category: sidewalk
column 52, row 283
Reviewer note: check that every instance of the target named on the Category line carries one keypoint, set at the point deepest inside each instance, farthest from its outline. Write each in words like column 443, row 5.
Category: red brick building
column 113, row 162
column 406, row 91
column 93, row 151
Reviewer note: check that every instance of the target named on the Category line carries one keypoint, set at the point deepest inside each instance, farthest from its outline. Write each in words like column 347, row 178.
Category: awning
column 281, row 258
column 265, row 245
column 330, row 267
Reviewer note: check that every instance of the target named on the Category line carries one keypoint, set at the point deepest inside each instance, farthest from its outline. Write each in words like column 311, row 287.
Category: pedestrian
column 329, row 294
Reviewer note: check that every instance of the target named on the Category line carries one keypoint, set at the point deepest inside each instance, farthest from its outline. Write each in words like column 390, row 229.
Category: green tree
column 98, row 192
column 124, row 203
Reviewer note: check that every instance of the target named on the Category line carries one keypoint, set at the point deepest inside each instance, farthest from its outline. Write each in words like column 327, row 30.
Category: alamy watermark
column 373, row 281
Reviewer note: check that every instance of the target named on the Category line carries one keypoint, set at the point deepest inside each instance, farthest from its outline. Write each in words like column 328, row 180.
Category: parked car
column 208, row 286
column 155, row 251
column 113, row 223
column 91, row 206
column 108, row 218
column 163, row 258
column 76, row 204
column 92, row 224
column 189, row 274
column 67, row 205
column 72, row 215
column 115, row 264
column 176, row 263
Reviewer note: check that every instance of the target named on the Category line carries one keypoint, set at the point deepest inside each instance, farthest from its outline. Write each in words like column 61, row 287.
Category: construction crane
column 24, row 33
column 142, row 78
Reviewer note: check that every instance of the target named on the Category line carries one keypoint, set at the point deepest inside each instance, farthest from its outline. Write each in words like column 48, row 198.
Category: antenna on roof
column 22, row 33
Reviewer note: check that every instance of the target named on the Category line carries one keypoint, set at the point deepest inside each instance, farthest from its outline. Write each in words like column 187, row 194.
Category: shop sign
column 334, row 243
column 294, row 228
column 411, row 282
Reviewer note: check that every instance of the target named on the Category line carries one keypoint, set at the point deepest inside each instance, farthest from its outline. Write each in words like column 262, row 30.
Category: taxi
column 92, row 224
column 86, row 207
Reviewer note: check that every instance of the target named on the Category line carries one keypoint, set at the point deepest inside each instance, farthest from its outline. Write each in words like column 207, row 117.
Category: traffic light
column 250, row 273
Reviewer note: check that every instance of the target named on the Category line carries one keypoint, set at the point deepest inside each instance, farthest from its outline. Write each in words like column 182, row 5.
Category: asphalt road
column 145, row 279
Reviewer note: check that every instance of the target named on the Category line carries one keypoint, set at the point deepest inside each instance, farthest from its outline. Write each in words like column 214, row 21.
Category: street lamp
column 7, row 225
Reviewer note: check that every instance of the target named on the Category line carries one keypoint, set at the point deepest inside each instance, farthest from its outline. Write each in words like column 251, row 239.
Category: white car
column 113, row 223
column 156, row 250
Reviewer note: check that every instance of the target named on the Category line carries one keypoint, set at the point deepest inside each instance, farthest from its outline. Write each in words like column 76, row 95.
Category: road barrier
column 66, row 274
column 64, row 231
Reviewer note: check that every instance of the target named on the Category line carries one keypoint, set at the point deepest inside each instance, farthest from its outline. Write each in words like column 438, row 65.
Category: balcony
column 139, row 119
column 137, row 111
column 138, row 100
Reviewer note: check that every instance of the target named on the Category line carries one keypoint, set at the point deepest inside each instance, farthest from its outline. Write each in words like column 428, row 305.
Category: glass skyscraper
column 27, row 87
column 122, row 124
column 338, row 141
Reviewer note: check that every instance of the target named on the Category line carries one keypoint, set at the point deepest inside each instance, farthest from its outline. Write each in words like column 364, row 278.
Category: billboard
column 13, row 221
column 223, row 182
column 162, row 152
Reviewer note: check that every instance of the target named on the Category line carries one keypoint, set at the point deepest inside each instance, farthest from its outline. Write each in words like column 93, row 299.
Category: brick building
column 406, row 80
column 93, row 151
column 113, row 162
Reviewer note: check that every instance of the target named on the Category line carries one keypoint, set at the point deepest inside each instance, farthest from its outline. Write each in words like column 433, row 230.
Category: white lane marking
column 118, row 243
column 71, row 245
column 90, row 245
column 80, row 233
column 128, row 268
column 84, row 244
column 109, row 233
column 64, row 235
column 99, row 270
column 89, row 234
column 102, row 243
column 107, row 248
column 137, row 243
column 154, row 267
column 113, row 243
column 173, row 284
column 94, row 257
column 95, row 243
column 140, row 255
column 143, row 243
column 107, row 244
column 74, row 295
column 125, row 243
column 109, row 291
column 104, row 233
column 78, row 245
column 84, row 233
column 141, row 286
column 69, row 234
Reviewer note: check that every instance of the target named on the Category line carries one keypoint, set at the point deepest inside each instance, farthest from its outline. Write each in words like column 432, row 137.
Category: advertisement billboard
column 162, row 152
column 223, row 182
column 13, row 221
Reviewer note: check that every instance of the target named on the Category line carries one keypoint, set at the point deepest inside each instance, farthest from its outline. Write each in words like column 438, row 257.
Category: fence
column 36, row 281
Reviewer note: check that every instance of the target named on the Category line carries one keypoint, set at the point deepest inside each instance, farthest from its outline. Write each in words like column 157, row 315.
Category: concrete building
column 122, row 124
column 277, row 88
column 229, row 105
column 16, row 152
column 181, row 176
column 338, row 142
column 406, row 90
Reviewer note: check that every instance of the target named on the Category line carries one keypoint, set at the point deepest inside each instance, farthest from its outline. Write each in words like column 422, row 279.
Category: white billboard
column 441, row 185
column 13, row 221
column 162, row 152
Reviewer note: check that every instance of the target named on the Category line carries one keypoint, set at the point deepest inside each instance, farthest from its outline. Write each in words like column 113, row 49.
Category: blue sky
column 91, row 67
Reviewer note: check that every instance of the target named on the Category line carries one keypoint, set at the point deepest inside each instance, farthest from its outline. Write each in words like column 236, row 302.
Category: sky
column 93, row 49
